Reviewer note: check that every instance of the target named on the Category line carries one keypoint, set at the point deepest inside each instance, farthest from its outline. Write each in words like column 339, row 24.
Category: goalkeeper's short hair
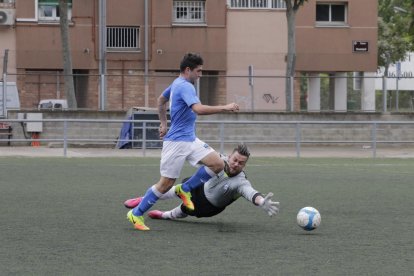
column 242, row 149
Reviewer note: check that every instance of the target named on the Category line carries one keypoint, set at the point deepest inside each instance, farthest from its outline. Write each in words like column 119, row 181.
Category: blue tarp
column 125, row 136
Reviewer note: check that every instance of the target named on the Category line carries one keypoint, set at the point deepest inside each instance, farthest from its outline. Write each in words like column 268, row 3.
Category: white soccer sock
column 209, row 172
column 170, row 194
column 175, row 213
column 156, row 192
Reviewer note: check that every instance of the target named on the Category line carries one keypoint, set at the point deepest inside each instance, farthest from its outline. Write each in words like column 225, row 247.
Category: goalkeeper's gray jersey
column 222, row 190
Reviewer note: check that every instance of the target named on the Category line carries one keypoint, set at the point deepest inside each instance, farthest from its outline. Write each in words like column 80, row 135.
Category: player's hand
column 162, row 131
column 233, row 107
column 270, row 207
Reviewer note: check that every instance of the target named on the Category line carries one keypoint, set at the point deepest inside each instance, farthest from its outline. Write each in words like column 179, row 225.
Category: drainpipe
column 102, row 54
column 4, row 96
column 146, row 52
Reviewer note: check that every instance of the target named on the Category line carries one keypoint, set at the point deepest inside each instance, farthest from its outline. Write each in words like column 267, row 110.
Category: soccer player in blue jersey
column 214, row 196
column 180, row 143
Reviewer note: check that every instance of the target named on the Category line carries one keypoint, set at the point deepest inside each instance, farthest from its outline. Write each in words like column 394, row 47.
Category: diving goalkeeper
column 215, row 195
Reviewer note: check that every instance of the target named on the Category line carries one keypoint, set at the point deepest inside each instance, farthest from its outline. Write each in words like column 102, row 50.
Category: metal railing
column 256, row 93
column 257, row 4
column 297, row 133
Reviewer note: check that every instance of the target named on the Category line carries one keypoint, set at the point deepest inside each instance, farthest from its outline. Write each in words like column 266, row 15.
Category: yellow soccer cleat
column 137, row 221
column 185, row 197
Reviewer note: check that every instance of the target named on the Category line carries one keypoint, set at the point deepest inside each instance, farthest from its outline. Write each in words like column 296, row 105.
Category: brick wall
column 125, row 89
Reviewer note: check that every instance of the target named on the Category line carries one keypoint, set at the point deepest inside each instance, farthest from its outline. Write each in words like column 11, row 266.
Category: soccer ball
column 308, row 218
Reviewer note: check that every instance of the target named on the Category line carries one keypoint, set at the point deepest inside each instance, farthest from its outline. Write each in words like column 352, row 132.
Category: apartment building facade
column 338, row 37
column 333, row 37
column 146, row 39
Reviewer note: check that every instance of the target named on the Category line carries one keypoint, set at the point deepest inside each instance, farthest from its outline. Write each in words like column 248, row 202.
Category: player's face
column 195, row 74
column 236, row 162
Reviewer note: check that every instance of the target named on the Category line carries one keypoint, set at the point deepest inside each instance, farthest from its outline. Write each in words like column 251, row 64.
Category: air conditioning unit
column 7, row 17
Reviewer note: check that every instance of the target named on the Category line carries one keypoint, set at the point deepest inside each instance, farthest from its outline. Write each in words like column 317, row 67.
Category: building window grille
column 257, row 4
column 122, row 39
column 189, row 12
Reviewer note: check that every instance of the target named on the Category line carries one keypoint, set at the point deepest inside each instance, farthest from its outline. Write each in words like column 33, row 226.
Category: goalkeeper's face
column 236, row 162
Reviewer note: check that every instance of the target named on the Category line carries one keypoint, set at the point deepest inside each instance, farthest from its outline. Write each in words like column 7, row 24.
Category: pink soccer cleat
column 133, row 202
column 155, row 214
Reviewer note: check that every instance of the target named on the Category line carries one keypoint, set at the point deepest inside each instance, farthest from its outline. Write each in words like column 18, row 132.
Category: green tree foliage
column 394, row 39
column 411, row 29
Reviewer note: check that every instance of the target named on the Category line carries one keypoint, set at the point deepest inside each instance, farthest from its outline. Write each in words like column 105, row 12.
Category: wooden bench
column 6, row 130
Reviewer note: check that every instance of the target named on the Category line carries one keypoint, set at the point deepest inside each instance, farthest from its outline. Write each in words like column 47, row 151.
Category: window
column 257, row 4
column 122, row 39
column 192, row 12
column 331, row 14
column 49, row 10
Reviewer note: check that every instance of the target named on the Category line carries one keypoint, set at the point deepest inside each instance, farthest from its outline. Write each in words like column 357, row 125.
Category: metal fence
column 296, row 133
column 256, row 93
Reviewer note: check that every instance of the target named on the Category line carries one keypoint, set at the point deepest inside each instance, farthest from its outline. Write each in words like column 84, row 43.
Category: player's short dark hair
column 242, row 149
column 190, row 60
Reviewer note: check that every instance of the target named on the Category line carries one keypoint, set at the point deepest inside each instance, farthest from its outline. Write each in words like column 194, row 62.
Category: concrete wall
column 55, row 130
column 323, row 134
column 263, row 133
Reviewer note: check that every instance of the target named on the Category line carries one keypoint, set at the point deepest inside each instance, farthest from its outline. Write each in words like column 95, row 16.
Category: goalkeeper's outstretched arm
column 266, row 203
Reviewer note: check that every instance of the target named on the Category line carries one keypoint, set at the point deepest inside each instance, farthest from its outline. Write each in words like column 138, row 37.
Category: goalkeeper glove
column 270, row 207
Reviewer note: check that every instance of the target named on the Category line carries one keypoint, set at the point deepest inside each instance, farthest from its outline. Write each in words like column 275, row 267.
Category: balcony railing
column 257, row 4
column 122, row 38
column 8, row 4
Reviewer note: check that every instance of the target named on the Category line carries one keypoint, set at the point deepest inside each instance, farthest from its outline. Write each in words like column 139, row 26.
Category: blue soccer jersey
column 182, row 95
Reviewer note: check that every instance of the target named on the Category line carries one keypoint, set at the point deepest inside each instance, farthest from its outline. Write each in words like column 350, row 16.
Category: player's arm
column 162, row 115
column 269, row 206
column 265, row 202
column 201, row 109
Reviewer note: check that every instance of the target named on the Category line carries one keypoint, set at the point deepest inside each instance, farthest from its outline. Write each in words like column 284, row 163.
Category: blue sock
column 202, row 175
column 149, row 199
